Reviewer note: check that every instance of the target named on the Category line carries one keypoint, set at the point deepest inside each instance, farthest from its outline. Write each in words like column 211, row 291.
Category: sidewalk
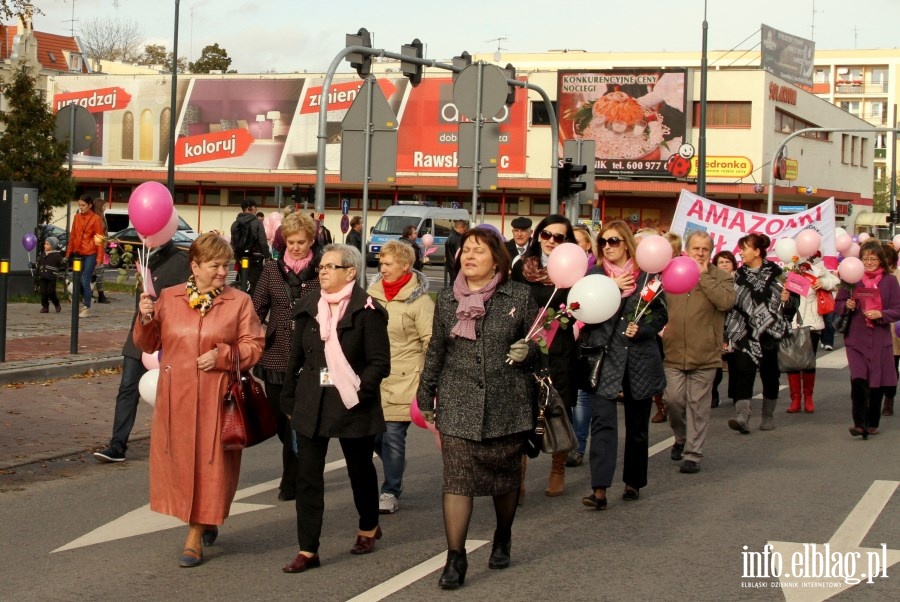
column 53, row 403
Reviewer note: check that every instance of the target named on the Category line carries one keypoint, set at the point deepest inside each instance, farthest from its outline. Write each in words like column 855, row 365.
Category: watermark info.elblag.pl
column 816, row 565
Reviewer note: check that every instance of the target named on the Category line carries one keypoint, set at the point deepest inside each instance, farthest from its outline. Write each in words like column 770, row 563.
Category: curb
column 28, row 371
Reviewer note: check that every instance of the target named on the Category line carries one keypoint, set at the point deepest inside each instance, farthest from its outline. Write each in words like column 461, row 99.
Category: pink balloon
column 863, row 237
column 568, row 264
column 416, row 415
column 808, row 242
column 842, row 243
column 653, row 254
column 427, row 240
column 853, row 251
column 150, row 360
column 896, row 245
column 150, row 208
column 681, row 275
column 164, row 235
column 275, row 218
column 851, row 270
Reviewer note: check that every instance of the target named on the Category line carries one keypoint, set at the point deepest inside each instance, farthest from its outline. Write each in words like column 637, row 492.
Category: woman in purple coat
column 870, row 350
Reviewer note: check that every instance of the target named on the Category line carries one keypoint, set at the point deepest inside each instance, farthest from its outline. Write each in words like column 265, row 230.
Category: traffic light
column 510, row 72
column 361, row 62
column 892, row 217
column 410, row 70
column 461, row 62
column 295, row 193
column 569, row 180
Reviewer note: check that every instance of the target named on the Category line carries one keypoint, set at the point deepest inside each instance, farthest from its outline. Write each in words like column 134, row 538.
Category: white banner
column 726, row 225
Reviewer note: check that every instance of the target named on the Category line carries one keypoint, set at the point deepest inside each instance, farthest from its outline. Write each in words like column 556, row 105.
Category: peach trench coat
column 191, row 476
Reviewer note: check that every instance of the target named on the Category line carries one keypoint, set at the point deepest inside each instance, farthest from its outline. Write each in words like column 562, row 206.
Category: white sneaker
column 85, row 312
column 827, row 347
column 388, row 503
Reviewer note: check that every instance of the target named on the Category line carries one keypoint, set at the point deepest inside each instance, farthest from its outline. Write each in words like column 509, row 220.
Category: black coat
column 354, row 239
column 274, row 297
column 259, row 246
column 563, row 353
column 638, row 359
column 318, row 411
column 451, row 247
column 479, row 395
column 169, row 266
column 417, row 264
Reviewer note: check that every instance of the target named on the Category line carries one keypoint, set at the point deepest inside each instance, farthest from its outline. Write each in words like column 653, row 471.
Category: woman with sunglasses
column 868, row 338
column 759, row 319
column 633, row 365
column 551, row 232
column 340, row 353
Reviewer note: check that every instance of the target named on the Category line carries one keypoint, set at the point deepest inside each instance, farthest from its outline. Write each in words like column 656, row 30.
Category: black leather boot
column 499, row 555
column 454, row 573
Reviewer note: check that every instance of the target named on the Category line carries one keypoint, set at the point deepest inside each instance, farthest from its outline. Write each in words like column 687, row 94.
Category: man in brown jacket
column 692, row 342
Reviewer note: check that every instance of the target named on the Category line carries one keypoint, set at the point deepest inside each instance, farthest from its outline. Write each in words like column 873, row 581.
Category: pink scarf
column 614, row 271
column 471, row 305
column 342, row 374
column 871, row 280
column 296, row 265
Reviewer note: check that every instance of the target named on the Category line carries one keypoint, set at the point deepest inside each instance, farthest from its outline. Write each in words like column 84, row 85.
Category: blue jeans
column 88, row 262
column 828, row 332
column 391, row 448
column 581, row 420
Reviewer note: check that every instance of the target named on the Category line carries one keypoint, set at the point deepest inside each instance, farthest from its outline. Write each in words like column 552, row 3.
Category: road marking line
column 661, row 446
column 143, row 520
column 410, row 576
column 864, row 515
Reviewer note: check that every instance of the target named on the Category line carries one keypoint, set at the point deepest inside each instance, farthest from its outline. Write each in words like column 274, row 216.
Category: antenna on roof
column 73, row 20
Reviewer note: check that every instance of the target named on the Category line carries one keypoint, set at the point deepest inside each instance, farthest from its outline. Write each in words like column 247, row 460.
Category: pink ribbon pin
column 512, row 312
column 369, row 304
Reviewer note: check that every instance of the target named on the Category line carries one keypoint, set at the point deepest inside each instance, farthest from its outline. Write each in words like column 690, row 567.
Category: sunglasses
column 557, row 238
column 613, row 241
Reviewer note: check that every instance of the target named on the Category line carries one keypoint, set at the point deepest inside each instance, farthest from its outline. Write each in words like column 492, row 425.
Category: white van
column 428, row 220
column 117, row 220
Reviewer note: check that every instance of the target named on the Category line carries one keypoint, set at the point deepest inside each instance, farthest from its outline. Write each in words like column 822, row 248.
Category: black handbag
column 842, row 322
column 590, row 364
column 553, row 428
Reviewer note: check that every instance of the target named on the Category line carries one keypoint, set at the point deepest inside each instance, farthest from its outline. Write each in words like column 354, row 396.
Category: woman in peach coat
column 197, row 326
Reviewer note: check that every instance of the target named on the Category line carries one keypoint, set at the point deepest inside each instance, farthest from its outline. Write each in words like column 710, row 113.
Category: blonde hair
column 402, row 252
column 297, row 222
column 675, row 241
column 624, row 232
column 208, row 247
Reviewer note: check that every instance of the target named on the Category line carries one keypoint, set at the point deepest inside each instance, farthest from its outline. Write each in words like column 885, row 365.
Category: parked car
column 129, row 236
column 428, row 220
column 117, row 221
column 61, row 235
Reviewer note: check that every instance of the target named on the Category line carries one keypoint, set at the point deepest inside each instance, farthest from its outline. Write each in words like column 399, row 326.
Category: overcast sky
column 298, row 35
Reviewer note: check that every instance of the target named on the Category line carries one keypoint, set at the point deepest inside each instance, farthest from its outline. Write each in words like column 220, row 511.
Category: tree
column 110, row 39
column 14, row 8
column 29, row 149
column 212, row 58
column 156, row 55
column 881, row 197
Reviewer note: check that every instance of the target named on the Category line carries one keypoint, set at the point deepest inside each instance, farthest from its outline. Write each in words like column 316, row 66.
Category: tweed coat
column 191, row 476
column 270, row 298
column 479, row 395
column 318, row 411
column 638, row 359
column 410, row 317
column 870, row 351
column 563, row 353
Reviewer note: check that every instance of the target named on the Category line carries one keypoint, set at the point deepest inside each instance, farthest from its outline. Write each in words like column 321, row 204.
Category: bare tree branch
column 110, row 39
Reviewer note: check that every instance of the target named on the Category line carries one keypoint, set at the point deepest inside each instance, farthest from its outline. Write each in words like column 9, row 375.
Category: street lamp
column 701, row 146
column 172, row 105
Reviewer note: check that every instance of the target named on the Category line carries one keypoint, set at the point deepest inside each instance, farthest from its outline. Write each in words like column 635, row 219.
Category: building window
column 128, row 136
column 845, row 149
column 785, row 123
column 75, row 61
column 863, row 152
column 853, row 147
column 539, row 115
column 724, row 114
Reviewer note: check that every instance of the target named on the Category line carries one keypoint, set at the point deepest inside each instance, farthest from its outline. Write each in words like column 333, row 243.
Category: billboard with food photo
column 634, row 116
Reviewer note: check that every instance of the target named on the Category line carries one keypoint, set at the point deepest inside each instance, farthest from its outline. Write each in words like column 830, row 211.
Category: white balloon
column 840, row 231
column 786, row 249
column 598, row 298
column 147, row 386
column 864, row 237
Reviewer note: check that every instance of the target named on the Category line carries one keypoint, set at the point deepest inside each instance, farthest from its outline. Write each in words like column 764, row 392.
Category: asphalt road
column 683, row 540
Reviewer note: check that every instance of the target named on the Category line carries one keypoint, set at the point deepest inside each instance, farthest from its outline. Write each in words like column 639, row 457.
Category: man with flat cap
column 521, row 236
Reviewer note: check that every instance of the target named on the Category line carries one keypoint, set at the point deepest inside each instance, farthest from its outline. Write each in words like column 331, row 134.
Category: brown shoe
column 556, row 483
column 302, row 563
column 660, row 415
column 365, row 544
column 45, row 310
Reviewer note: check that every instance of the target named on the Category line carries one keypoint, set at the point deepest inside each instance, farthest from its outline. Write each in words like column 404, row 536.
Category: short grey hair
column 349, row 256
column 701, row 234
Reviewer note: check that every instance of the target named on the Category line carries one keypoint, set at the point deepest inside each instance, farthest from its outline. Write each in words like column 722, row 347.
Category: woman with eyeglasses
column 561, row 356
column 339, row 355
column 870, row 351
column 280, row 287
column 632, row 365
column 759, row 319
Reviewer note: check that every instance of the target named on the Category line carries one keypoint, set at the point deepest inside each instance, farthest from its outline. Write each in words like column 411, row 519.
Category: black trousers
column 605, row 439
column 744, row 374
column 310, row 502
column 47, row 289
column 866, row 403
column 288, row 457
column 126, row 402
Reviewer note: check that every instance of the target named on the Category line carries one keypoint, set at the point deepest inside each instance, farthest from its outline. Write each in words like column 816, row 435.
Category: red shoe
column 302, row 563
column 365, row 544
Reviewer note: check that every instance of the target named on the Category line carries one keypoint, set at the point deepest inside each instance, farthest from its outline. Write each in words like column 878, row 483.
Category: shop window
column 539, row 114
column 724, row 114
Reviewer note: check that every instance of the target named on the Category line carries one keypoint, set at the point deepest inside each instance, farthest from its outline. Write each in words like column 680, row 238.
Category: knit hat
column 53, row 242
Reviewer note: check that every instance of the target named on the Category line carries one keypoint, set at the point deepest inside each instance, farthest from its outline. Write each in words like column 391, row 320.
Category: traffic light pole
column 322, row 135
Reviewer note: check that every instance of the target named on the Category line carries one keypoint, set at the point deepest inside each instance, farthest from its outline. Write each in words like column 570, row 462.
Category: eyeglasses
column 870, row 260
column 330, row 267
column 612, row 241
column 557, row 238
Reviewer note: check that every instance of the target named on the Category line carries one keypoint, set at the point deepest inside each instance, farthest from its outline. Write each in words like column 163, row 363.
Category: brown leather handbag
column 247, row 417
column 553, row 428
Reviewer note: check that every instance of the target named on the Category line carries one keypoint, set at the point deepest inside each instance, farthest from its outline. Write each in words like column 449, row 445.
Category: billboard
column 789, row 57
column 634, row 116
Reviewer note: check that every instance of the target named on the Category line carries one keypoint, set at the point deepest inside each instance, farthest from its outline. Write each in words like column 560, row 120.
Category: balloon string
column 640, row 298
column 538, row 322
